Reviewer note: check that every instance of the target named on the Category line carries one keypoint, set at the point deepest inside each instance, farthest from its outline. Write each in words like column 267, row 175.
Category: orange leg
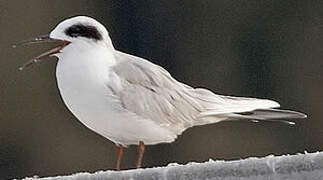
column 141, row 150
column 119, row 156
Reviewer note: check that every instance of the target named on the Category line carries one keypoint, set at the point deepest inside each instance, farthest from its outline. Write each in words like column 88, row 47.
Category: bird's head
column 79, row 32
column 80, row 29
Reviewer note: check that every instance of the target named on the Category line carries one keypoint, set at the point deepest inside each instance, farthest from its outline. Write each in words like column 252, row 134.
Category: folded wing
column 149, row 91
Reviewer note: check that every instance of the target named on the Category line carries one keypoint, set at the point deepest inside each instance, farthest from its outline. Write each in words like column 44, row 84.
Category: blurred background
column 266, row 49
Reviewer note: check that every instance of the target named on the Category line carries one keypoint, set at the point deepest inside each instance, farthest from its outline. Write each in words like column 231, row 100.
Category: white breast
column 82, row 78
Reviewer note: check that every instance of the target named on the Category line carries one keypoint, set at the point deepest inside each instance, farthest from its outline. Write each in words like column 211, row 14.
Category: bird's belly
column 87, row 97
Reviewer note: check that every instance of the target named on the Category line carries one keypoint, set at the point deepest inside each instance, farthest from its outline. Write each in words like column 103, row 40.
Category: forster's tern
column 130, row 100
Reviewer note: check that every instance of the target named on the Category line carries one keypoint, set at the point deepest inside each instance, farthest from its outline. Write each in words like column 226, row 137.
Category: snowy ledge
column 288, row 167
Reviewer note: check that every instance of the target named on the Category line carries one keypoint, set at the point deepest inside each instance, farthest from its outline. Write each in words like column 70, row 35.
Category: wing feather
column 149, row 91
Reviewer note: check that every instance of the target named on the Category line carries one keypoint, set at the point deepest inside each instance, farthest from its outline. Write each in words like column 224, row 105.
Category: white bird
column 131, row 101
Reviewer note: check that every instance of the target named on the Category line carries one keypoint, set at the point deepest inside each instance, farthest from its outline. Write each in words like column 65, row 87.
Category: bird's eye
column 74, row 31
column 87, row 31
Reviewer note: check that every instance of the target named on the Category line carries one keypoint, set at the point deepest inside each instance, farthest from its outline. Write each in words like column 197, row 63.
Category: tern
column 131, row 101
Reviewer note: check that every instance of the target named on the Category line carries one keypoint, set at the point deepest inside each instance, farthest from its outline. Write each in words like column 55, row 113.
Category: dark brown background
column 268, row 49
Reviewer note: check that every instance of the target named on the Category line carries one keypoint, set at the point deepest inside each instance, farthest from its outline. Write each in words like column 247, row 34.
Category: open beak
column 41, row 39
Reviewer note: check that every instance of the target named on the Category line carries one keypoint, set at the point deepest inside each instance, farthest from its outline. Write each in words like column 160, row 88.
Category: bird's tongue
column 40, row 39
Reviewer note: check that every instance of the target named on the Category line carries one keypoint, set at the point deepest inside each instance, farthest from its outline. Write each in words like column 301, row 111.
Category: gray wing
column 150, row 92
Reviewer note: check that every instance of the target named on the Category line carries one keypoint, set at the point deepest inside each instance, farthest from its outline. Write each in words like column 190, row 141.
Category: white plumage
column 127, row 99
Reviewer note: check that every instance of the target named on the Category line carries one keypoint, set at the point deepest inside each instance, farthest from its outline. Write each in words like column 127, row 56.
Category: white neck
column 84, row 65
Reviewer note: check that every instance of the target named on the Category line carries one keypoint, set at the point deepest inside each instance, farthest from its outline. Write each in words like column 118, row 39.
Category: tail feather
column 225, row 108
column 269, row 114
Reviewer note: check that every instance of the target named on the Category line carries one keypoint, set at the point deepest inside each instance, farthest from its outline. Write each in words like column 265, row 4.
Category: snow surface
column 308, row 166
